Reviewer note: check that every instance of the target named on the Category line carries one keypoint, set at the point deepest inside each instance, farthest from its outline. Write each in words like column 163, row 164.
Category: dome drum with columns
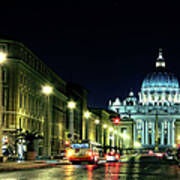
column 160, row 94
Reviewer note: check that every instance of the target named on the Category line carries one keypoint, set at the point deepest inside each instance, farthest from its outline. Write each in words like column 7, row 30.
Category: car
column 112, row 157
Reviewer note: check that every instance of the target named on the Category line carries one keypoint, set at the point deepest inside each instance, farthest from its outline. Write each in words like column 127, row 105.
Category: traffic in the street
column 130, row 167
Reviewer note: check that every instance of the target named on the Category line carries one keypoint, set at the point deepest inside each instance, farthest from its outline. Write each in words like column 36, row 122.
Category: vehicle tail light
column 69, row 153
column 90, row 153
column 117, row 156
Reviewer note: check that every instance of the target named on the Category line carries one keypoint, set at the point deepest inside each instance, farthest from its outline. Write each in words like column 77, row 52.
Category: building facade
column 24, row 106
column 156, row 111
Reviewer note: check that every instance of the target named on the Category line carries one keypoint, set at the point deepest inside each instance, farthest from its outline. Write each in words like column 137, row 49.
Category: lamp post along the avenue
column 86, row 115
column 115, row 140
column 111, row 137
column 97, row 122
column 104, row 137
column 3, row 58
column 71, row 106
column 47, row 90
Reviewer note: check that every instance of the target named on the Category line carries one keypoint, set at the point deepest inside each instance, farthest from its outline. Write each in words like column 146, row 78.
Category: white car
column 112, row 157
column 169, row 156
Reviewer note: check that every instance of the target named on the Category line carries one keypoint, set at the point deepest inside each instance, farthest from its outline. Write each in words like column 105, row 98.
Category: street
column 137, row 167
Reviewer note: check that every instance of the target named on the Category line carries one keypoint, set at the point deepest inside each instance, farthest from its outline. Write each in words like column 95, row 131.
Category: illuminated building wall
column 24, row 104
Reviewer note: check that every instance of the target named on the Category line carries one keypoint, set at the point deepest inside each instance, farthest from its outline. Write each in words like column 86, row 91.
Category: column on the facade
column 135, row 133
column 140, row 97
column 170, row 98
column 142, row 135
column 163, row 97
column 146, row 131
column 169, row 133
column 173, row 134
column 149, row 97
column 153, row 133
column 156, row 97
column 176, row 97
column 162, row 133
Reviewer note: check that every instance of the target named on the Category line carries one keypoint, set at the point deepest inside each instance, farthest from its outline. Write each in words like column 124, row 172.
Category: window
column 5, row 97
column 21, row 78
column 20, row 100
column 3, row 119
column 4, row 74
column 20, row 123
column 24, row 101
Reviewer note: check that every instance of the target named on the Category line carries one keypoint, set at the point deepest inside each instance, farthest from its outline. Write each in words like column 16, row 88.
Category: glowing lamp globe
column 97, row 121
column 105, row 126
column 47, row 90
column 2, row 57
column 71, row 104
column 87, row 114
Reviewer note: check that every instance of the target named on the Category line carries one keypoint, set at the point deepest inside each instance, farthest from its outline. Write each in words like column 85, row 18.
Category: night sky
column 106, row 47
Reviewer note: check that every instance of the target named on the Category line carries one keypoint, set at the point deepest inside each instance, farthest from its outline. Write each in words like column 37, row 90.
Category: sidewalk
column 13, row 166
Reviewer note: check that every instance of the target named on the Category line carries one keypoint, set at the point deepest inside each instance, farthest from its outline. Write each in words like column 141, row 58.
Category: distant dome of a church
column 160, row 79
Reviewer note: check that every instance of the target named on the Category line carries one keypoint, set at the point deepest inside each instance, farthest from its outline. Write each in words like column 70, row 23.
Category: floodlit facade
column 156, row 111
column 35, row 99
column 25, row 107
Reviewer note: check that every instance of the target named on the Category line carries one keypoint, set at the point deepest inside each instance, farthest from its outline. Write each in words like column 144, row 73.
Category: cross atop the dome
column 160, row 60
column 160, row 54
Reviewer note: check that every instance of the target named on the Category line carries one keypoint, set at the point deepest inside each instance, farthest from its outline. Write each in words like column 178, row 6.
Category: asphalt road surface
column 136, row 168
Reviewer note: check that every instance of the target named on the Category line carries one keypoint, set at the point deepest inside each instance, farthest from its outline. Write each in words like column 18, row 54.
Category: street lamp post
column 97, row 122
column 119, row 142
column 86, row 115
column 104, row 137
column 111, row 137
column 71, row 106
column 115, row 140
column 2, row 60
column 47, row 90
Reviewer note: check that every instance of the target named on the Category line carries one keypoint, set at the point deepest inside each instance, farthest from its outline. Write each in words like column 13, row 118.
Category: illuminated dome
column 160, row 87
column 160, row 80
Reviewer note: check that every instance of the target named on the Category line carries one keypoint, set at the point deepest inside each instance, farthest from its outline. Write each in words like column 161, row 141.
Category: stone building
column 24, row 106
column 156, row 112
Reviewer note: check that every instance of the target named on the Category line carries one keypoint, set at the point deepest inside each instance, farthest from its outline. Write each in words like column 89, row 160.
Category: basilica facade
column 156, row 110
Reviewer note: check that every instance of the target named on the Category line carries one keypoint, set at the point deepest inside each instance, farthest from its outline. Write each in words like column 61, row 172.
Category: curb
column 27, row 168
